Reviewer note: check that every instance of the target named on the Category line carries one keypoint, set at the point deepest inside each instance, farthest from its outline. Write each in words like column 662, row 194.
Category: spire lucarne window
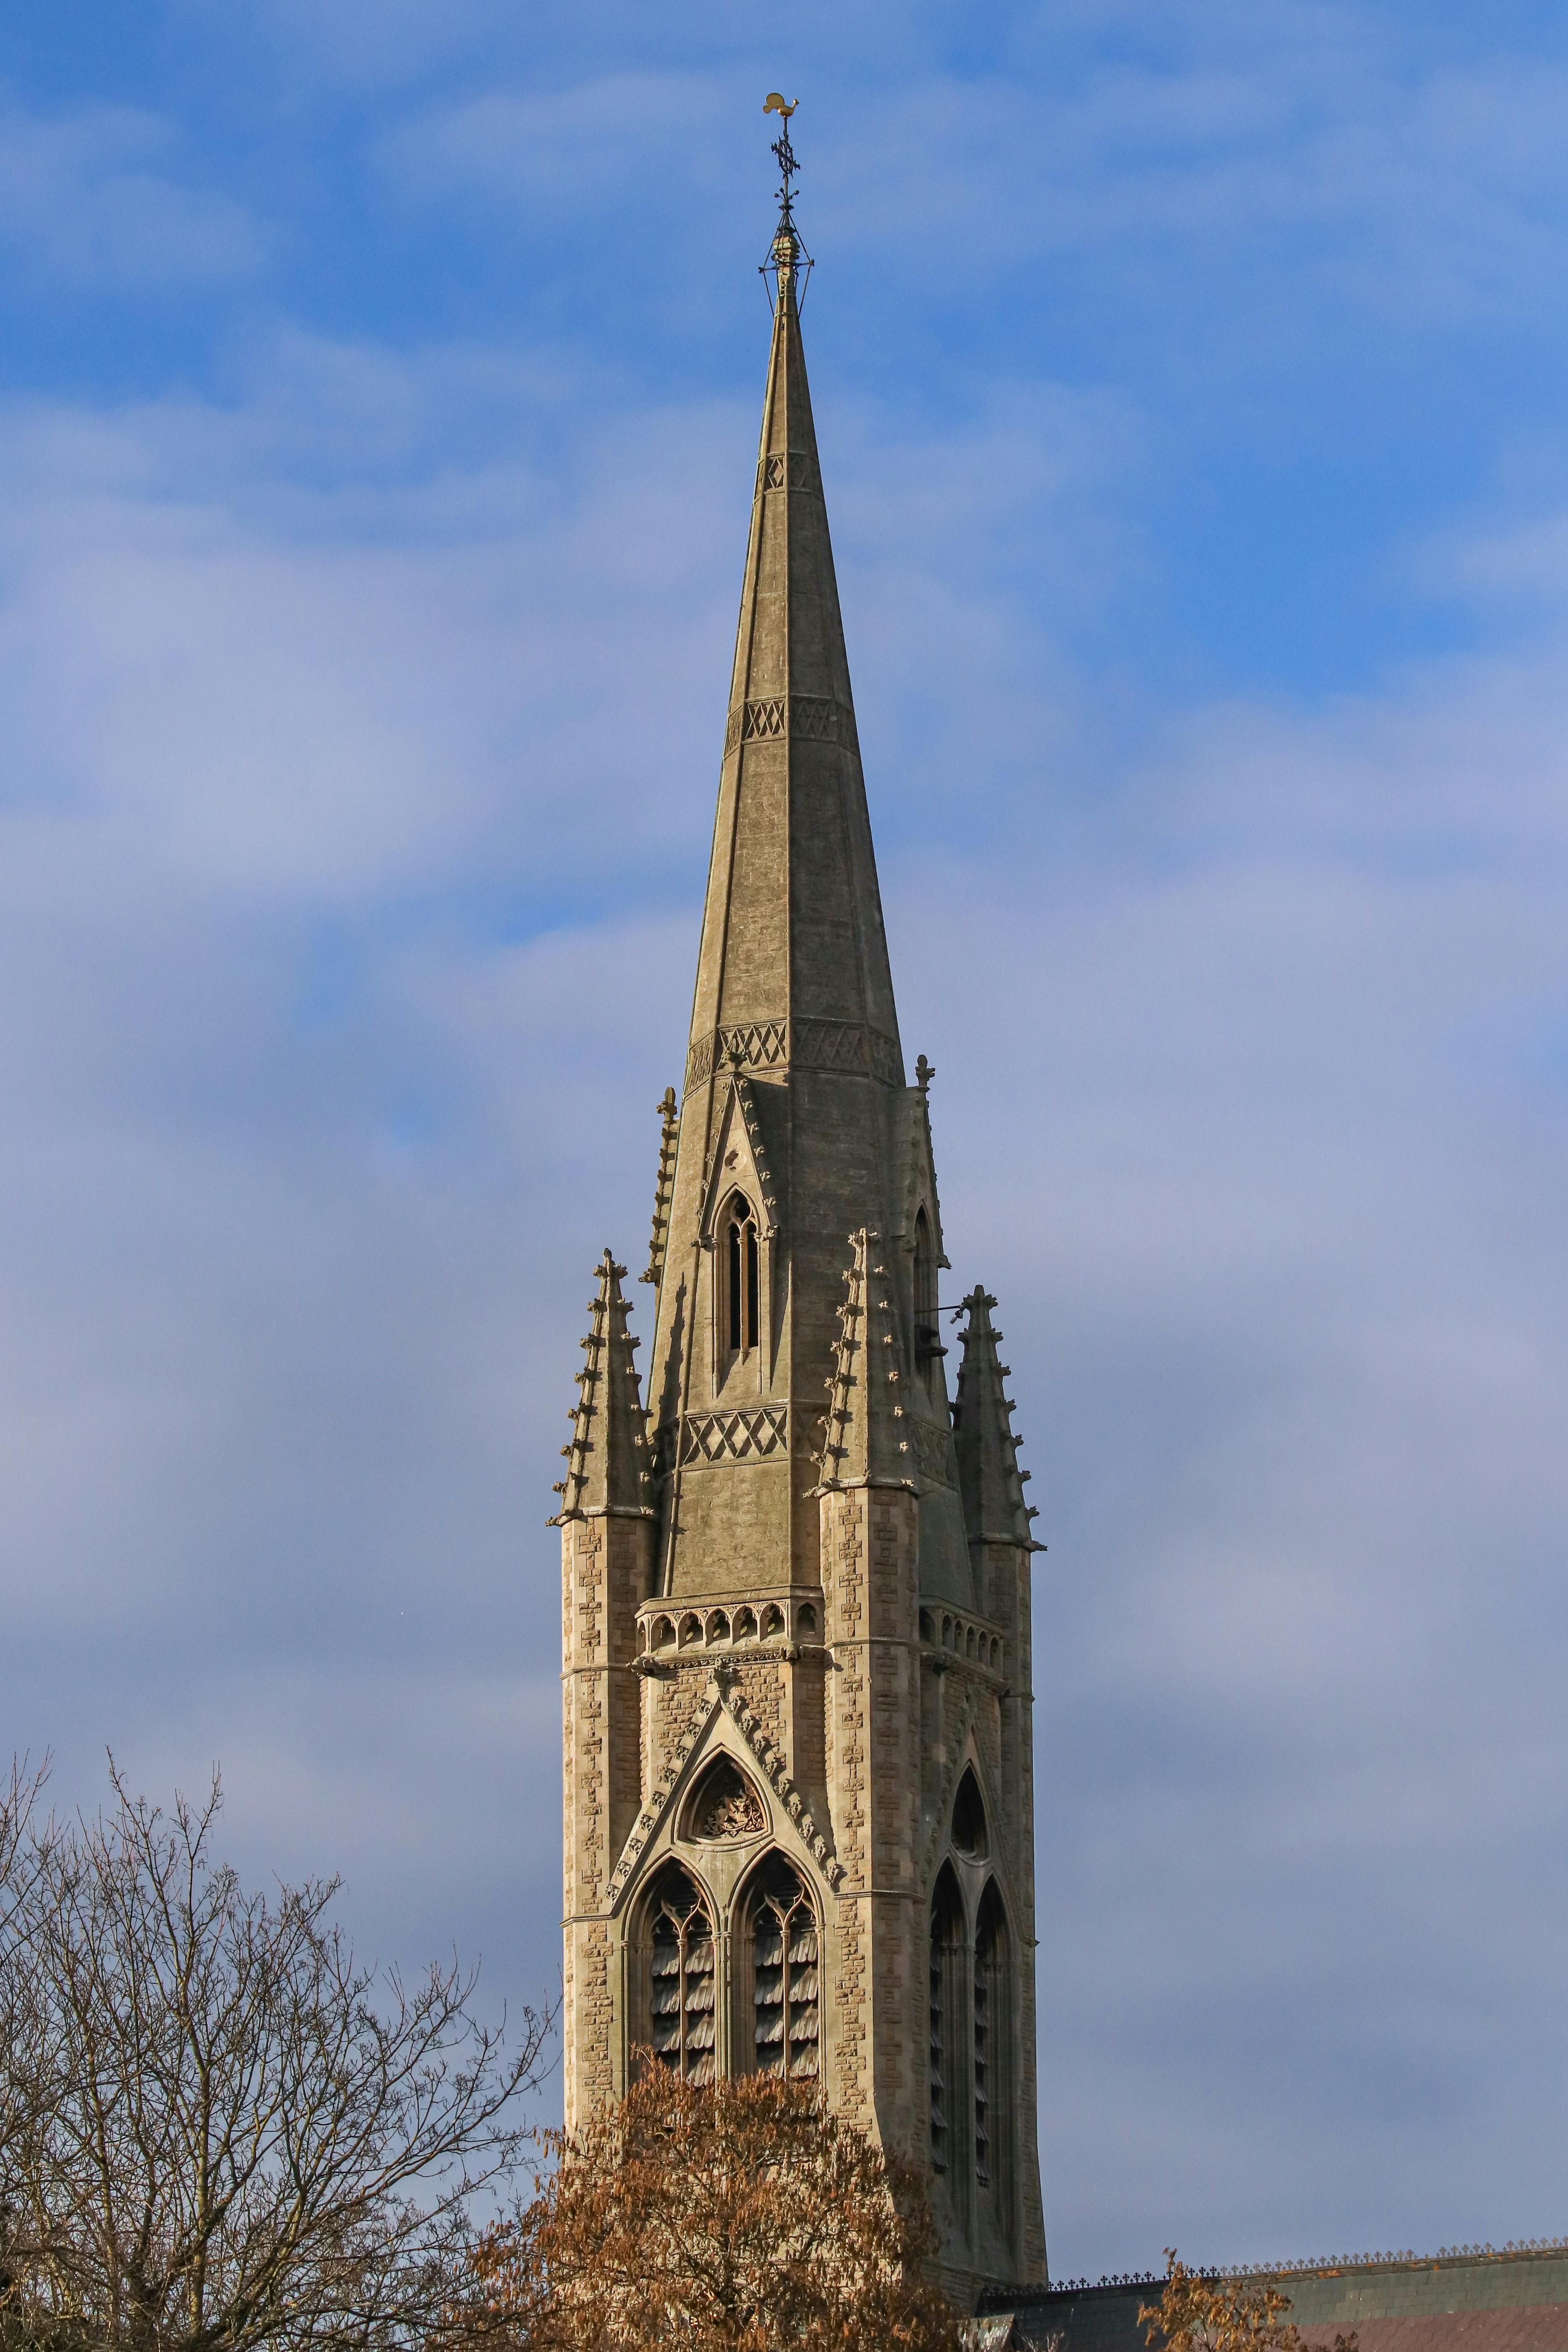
column 740, row 1279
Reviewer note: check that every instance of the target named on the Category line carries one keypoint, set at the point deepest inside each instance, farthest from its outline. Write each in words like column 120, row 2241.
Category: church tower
column 799, row 1809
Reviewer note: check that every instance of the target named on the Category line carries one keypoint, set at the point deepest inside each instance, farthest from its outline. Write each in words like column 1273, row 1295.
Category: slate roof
column 1483, row 2300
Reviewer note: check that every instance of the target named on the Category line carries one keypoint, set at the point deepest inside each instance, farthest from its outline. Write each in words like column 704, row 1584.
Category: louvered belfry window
column 982, row 2073
column 946, row 2059
column 785, row 1979
column 681, row 1983
column 992, row 2040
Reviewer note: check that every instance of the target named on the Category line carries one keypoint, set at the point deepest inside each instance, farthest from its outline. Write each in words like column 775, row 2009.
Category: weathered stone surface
column 792, row 1587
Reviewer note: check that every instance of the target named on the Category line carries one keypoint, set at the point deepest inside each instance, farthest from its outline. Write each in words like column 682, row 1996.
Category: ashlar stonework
column 799, row 1825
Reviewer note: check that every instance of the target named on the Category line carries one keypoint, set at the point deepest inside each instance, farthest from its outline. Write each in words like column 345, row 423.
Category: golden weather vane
column 786, row 253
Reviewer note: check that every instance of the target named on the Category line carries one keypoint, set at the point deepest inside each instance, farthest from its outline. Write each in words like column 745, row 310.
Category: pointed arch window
column 739, row 1261
column 786, row 1999
column 680, row 1984
column 969, row 1837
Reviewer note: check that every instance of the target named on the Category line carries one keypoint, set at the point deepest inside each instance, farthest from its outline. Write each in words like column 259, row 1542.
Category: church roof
column 1513, row 2299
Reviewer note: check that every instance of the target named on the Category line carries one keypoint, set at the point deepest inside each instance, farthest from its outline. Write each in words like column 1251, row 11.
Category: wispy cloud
column 362, row 689
column 94, row 196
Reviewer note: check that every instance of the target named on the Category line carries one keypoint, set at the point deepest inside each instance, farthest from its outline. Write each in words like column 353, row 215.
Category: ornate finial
column 924, row 1074
column 787, row 257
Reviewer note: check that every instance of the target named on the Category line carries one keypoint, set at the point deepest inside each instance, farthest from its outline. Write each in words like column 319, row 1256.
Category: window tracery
column 681, row 2002
column 786, row 1976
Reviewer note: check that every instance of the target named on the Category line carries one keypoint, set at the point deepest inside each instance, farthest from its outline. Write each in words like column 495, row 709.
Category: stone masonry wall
column 870, row 1583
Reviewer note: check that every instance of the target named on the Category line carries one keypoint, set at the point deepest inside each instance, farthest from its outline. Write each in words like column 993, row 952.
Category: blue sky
column 378, row 387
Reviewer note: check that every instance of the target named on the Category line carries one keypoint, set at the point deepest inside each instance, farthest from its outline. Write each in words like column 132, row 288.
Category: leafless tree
column 220, row 2131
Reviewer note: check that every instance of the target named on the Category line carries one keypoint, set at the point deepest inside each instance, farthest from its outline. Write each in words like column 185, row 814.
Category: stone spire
column 988, row 1474
column 607, row 1457
column 794, row 1104
column 792, row 930
column 796, row 1614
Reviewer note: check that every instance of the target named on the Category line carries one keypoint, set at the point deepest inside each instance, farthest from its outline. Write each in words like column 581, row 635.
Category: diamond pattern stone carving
column 830, row 1045
column 809, row 717
column 764, row 721
column 750, row 1434
column 789, row 469
column 934, row 1454
column 807, row 1044
column 884, row 1058
column 761, row 1045
column 844, row 1046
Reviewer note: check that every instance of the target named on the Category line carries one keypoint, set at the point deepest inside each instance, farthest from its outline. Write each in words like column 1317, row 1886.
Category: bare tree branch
column 221, row 2131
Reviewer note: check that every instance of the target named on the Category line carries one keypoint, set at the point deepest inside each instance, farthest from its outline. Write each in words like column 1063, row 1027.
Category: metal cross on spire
column 786, row 254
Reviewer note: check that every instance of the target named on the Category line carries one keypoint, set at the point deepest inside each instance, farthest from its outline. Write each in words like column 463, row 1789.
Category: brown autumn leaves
column 734, row 2219
column 1207, row 2314
column 220, row 2132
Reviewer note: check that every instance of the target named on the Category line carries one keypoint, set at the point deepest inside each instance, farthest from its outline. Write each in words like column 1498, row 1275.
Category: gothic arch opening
column 680, row 1981
column 993, row 2052
column 970, row 1837
column 781, row 2026
column 947, row 2067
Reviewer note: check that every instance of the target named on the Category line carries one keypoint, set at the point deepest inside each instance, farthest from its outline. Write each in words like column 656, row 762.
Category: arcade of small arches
column 756, row 1965
column 957, row 1635
column 710, row 1629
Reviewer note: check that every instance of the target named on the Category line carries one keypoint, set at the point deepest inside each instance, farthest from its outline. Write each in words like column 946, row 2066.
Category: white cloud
column 356, row 803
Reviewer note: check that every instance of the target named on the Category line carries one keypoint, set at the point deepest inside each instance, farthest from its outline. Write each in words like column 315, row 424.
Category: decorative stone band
column 787, row 470
column 750, row 1434
column 798, row 1044
column 783, row 717
column 934, row 1457
column 721, row 1694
